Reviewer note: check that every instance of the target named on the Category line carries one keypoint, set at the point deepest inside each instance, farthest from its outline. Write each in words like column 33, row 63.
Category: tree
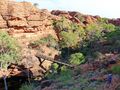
column 77, row 58
column 9, row 50
column 69, row 39
column 36, row 4
column 116, row 69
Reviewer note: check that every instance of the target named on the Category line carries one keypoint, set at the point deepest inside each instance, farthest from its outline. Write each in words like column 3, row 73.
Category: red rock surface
column 75, row 16
column 115, row 21
column 27, row 23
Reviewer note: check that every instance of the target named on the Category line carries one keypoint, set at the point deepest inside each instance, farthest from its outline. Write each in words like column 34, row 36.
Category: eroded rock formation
column 23, row 17
column 115, row 21
column 27, row 23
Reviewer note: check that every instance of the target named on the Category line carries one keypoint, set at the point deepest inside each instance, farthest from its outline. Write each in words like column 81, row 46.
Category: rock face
column 115, row 21
column 26, row 22
column 23, row 17
column 75, row 17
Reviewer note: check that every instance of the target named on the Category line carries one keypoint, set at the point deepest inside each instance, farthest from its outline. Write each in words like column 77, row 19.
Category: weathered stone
column 10, row 17
column 18, row 23
column 34, row 17
column 21, row 9
column 30, row 30
column 35, row 23
column 3, row 6
column 3, row 24
column 41, row 28
column 1, row 18
column 19, row 31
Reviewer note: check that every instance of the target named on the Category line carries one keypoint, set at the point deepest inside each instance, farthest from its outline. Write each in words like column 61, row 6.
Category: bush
column 116, row 69
column 103, row 20
column 108, row 27
column 50, row 41
column 27, row 87
column 77, row 58
column 93, row 32
column 63, row 24
column 69, row 39
column 114, row 35
column 70, row 33
column 65, row 75
column 9, row 50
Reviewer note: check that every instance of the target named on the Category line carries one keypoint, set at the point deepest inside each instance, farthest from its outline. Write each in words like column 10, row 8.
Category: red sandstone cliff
column 26, row 22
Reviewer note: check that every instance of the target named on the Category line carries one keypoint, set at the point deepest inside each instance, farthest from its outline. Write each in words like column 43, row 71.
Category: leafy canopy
column 77, row 58
column 9, row 50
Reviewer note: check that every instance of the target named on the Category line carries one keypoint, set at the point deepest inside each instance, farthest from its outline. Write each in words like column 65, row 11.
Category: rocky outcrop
column 76, row 17
column 27, row 23
column 22, row 18
column 115, row 21
column 3, row 23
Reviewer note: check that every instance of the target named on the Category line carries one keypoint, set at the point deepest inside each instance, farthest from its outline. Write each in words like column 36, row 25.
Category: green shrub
column 93, row 32
column 27, row 87
column 116, row 69
column 103, row 20
column 62, row 24
column 69, row 39
column 9, row 50
column 108, row 27
column 114, row 35
column 65, row 76
column 55, row 66
column 50, row 41
column 77, row 58
column 70, row 33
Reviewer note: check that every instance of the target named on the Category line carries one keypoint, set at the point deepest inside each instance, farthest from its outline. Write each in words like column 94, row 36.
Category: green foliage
column 27, row 87
column 63, row 24
column 65, row 76
column 77, row 58
column 97, row 31
column 50, row 41
column 93, row 32
column 114, row 35
column 69, row 39
column 55, row 66
column 103, row 20
column 116, row 69
column 9, row 50
column 108, row 27
column 70, row 33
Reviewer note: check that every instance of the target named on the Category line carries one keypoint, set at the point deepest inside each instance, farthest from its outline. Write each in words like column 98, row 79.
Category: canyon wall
column 27, row 23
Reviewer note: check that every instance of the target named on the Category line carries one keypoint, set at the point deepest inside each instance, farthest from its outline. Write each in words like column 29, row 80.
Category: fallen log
column 39, row 56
